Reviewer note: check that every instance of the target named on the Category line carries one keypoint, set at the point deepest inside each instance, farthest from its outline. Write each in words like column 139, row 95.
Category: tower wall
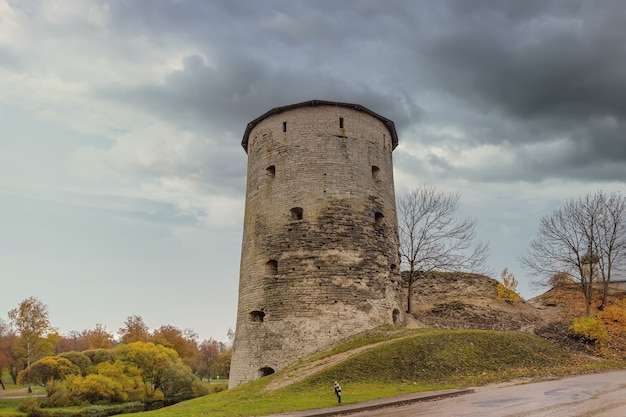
column 319, row 258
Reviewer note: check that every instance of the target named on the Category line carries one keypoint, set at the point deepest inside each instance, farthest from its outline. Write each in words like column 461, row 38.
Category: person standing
column 338, row 392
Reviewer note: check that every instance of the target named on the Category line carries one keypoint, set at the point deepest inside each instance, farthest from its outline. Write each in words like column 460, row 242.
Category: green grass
column 8, row 408
column 411, row 361
column 428, row 360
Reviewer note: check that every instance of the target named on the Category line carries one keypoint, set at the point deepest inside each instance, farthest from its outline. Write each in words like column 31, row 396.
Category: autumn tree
column 183, row 342
column 507, row 289
column 223, row 369
column 135, row 330
column 208, row 359
column 30, row 319
column 48, row 369
column 431, row 238
column 584, row 239
column 5, row 358
column 161, row 368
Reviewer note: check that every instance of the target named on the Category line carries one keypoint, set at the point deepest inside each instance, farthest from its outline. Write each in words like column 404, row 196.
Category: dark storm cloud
column 557, row 62
column 237, row 90
column 545, row 81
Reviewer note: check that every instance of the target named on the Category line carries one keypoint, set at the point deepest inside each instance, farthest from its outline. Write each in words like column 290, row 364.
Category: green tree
column 79, row 359
column 31, row 321
column 100, row 355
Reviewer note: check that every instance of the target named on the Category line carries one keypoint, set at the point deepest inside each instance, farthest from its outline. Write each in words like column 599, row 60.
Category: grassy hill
column 465, row 337
column 390, row 362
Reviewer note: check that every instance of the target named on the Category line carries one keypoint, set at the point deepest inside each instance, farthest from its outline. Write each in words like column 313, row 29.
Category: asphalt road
column 598, row 395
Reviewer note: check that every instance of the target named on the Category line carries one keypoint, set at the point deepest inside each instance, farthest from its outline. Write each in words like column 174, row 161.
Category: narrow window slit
column 375, row 172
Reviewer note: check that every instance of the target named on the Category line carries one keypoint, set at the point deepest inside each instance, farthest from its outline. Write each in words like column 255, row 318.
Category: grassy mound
column 448, row 356
column 425, row 360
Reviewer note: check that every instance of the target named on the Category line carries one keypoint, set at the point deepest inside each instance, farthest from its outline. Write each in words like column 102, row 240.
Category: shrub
column 507, row 290
column 100, row 355
column 30, row 406
column 79, row 359
column 58, row 394
column 95, row 388
column 48, row 369
column 591, row 330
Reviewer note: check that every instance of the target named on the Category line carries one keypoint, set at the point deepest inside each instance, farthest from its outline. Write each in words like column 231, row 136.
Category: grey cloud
column 225, row 97
column 508, row 74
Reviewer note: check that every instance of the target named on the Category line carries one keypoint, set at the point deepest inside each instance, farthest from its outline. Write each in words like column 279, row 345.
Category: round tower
column 319, row 258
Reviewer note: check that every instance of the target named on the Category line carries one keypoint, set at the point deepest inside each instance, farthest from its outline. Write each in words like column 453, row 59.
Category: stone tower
column 319, row 258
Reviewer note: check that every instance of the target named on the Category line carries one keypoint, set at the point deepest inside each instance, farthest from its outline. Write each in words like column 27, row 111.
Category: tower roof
column 311, row 103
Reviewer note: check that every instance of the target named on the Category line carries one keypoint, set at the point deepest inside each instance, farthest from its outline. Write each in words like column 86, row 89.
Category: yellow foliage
column 94, row 387
column 507, row 290
column 591, row 329
column 615, row 314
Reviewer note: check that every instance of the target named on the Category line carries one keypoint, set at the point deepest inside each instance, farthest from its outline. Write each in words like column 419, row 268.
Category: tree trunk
column 410, row 295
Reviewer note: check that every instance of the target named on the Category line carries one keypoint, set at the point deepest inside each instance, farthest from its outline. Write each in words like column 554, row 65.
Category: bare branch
column 432, row 239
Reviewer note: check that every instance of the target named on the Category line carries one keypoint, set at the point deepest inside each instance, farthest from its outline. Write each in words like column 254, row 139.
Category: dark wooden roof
column 276, row 110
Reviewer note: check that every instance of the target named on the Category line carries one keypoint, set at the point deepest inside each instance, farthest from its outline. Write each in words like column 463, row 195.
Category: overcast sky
column 122, row 177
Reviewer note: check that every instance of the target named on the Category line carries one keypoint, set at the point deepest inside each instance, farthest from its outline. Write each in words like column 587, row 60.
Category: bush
column 48, row 369
column 507, row 290
column 58, row 394
column 591, row 330
column 100, row 355
column 95, row 388
column 79, row 359
column 30, row 406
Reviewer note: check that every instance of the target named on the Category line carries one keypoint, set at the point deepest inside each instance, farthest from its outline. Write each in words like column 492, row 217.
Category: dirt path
column 301, row 372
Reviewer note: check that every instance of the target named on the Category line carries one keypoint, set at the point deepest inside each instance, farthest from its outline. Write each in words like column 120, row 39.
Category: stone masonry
column 319, row 259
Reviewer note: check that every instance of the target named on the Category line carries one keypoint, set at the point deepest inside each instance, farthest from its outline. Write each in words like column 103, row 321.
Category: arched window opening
column 296, row 213
column 284, row 126
column 265, row 371
column 271, row 266
column 375, row 172
column 341, row 123
column 378, row 218
column 257, row 316
column 396, row 316
column 271, row 171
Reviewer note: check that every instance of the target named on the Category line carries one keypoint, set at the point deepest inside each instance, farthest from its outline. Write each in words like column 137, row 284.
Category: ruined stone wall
column 319, row 256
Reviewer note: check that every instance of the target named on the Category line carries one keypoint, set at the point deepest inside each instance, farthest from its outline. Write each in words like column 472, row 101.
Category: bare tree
column 431, row 238
column 610, row 239
column 584, row 239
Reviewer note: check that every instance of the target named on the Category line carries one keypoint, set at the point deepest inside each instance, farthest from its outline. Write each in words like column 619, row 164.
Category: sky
column 122, row 176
